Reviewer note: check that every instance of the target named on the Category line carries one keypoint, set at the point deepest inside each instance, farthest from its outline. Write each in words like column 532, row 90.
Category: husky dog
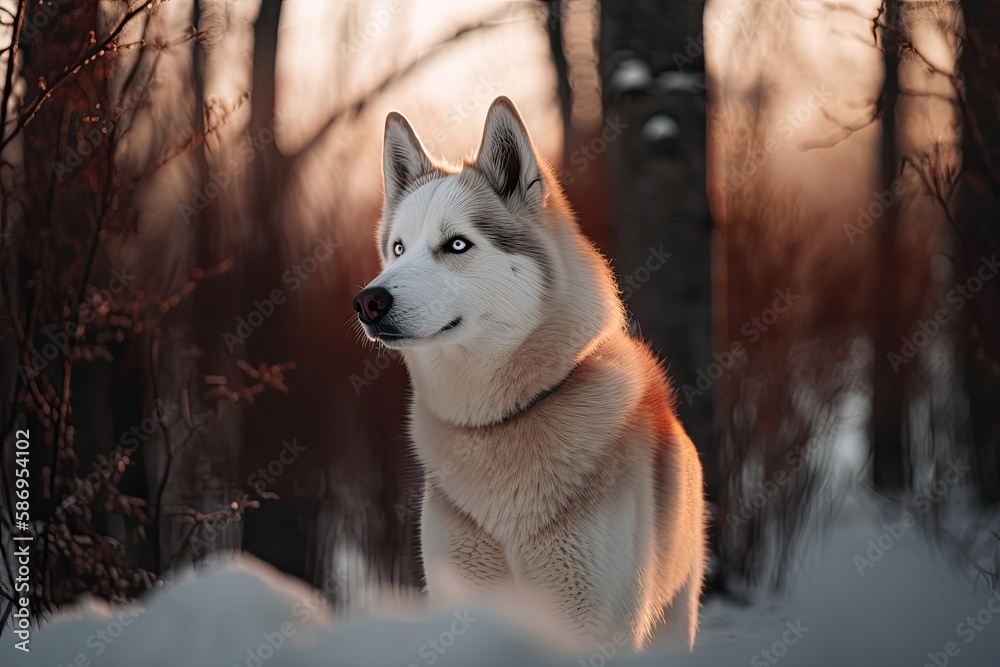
column 554, row 459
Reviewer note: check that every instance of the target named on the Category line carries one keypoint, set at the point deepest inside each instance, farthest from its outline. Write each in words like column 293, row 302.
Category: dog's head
column 465, row 254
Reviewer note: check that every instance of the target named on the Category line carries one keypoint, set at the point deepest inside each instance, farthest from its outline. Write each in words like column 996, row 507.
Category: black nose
column 372, row 304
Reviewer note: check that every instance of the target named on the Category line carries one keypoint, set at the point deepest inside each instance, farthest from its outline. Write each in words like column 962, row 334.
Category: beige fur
column 593, row 495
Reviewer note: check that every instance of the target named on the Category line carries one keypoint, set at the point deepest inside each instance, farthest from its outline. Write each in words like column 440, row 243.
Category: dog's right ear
column 404, row 159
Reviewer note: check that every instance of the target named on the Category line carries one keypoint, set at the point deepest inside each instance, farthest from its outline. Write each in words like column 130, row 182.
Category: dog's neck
column 468, row 387
column 535, row 400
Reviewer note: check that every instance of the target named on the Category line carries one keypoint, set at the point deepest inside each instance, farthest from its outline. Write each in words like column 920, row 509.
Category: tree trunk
column 979, row 213
column 660, row 226
column 890, row 465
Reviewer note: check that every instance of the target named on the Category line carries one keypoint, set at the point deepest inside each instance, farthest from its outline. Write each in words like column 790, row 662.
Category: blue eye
column 397, row 249
column 458, row 245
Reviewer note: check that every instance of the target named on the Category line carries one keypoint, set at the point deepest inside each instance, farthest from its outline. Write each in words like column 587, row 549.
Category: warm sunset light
column 499, row 332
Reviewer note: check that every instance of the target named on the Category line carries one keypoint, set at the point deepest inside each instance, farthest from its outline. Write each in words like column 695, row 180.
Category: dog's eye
column 458, row 244
column 397, row 249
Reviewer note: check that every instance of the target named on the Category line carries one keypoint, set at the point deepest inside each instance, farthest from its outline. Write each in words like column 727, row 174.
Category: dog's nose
column 372, row 304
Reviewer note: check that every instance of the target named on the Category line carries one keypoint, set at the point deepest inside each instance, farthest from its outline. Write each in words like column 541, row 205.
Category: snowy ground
column 909, row 607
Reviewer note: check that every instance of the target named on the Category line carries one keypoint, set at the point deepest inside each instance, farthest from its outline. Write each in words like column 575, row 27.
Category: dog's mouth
column 389, row 335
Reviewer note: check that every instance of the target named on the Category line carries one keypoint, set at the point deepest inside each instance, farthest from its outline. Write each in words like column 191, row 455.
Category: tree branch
column 845, row 130
column 15, row 35
column 935, row 190
column 418, row 62
column 90, row 56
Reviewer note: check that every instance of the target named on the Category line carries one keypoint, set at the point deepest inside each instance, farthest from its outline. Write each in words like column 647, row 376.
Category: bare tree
column 978, row 214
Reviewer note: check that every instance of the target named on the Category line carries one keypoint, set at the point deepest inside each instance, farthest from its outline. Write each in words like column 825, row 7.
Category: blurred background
column 800, row 198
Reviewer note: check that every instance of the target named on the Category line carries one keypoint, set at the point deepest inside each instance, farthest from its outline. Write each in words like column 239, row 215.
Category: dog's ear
column 404, row 159
column 507, row 157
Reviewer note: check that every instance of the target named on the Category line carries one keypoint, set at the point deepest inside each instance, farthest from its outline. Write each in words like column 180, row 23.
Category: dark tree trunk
column 890, row 465
column 660, row 227
column 274, row 531
column 655, row 145
column 554, row 28
column 979, row 220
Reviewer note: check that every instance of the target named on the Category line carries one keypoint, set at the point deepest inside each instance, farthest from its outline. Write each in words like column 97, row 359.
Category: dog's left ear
column 404, row 159
column 507, row 157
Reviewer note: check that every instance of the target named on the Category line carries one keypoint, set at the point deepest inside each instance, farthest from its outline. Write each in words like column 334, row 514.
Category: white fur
column 592, row 497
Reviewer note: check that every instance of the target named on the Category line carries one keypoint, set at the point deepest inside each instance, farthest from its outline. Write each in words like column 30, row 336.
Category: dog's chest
column 515, row 478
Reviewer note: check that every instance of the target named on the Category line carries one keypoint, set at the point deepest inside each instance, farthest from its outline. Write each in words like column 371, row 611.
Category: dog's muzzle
column 372, row 304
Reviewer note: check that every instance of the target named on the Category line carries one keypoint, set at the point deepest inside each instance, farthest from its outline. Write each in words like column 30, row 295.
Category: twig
column 161, row 488
column 15, row 35
column 29, row 113
column 845, row 130
column 934, row 190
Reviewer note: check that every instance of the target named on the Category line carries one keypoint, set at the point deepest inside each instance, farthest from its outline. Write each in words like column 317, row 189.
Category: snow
column 904, row 609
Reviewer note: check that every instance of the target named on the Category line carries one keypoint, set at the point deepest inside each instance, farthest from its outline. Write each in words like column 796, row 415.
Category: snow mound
column 900, row 605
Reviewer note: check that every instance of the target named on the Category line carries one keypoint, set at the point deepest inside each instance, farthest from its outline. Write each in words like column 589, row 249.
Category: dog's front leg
column 589, row 573
column 456, row 551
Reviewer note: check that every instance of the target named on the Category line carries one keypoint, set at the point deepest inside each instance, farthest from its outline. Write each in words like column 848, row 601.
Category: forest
column 800, row 200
